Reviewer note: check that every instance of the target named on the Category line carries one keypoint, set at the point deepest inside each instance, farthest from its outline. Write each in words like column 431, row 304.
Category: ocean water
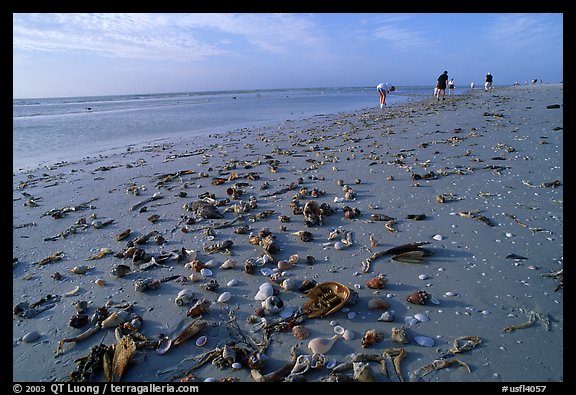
column 49, row 130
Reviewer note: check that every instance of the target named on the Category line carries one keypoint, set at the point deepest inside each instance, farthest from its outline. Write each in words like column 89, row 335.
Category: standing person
column 451, row 87
column 471, row 85
column 441, row 85
column 382, row 89
column 488, row 83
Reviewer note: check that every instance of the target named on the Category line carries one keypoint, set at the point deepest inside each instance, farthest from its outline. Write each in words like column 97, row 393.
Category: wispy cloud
column 164, row 36
column 392, row 29
column 526, row 32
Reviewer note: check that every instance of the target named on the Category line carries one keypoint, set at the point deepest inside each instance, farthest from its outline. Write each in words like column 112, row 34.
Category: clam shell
column 293, row 259
column 232, row 282
column 424, row 341
column 164, row 346
column 386, row 316
column 286, row 312
column 228, row 264
column 236, row 365
column 266, row 271
column 348, row 335
column 273, row 304
column 206, row 272
column 421, row 317
column 195, row 277
column 371, row 336
column 321, row 345
column 339, row 245
column 289, row 284
column 330, row 364
column 224, row 297
column 264, row 291
column 300, row 332
column 30, row 337
column 210, row 263
column 438, row 237
column 284, row 265
column 201, row 341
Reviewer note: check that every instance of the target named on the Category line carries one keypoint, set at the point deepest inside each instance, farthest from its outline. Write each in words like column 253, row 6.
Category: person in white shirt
column 383, row 89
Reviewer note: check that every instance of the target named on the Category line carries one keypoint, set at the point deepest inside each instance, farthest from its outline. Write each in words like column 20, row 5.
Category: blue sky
column 104, row 54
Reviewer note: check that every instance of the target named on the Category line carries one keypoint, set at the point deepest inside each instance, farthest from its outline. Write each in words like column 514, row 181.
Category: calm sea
column 50, row 130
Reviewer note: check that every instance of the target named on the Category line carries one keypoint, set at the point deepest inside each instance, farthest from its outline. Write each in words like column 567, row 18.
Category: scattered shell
column 438, row 237
column 411, row 320
column 286, row 312
column 348, row 335
column 285, row 265
column 100, row 282
column 377, row 282
column 201, row 341
column 232, row 282
column 372, row 336
column 300, row 332
column 386, row 316
column 30, row 337
column 236, row 365
column 322, row 345
column 273, row 304
column 418, row 297
column 200, row 307
column 195, row 277
column 421, row 317
column 351, row 315
column 164, row 345
column 224, row 297
column 532, row 267
column 120, row 270
column 266, row 271
column 424, row 341
column 339, row 330
column 450, row 293
column 183, row 297
column 378, row 304
column 363, row 372
column 264, row 291
column 399, row 335
column 423, row 277
column 293, row 259
column 228, row 264
column 73, row 292
column 330, row 364
column 206, row 272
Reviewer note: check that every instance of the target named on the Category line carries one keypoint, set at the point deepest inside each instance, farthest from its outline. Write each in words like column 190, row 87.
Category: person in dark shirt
column 441, row 85
column 488, row 83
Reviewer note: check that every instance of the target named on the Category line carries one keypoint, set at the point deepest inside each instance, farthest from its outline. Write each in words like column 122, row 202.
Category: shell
column 78, row 320
column 399, row 335
column 183, row 297
column 100, row 282
column 322, row 345
column 438, row 237
column 371, row 336
column 232, row 283
column 409, row 256
column 284, row 265
column 424, row 341
column 421, row 317
column 115, row 319
column 378, row 304
column 228, row 264
column 293, row 259
column 300, row 332
column 325, row 299
column 264, row 291
column 82, row 269
column 193, row 328
column 348, row 335
column 286, row 312
column 224, row 297
column 339, row 330
column 199, row 308
column 206, row 272
column 377, row 282
column 195, row 277
column 123, row 353
column 363, row 372
column 254, row 360
column 236, row 365
column 30, row 337
column 386, row 316
column 418, row 297
column 164, row 345
column 120, row 270
column 273, row 304
column 330, row 364
column 289, row 284
column 201, row 341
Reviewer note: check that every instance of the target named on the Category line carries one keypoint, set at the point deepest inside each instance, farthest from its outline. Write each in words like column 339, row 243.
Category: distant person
column 383, row 89
column 451, row 87
column 534, row 81
column 488, row 83
column 441, row 85
column 471, row 85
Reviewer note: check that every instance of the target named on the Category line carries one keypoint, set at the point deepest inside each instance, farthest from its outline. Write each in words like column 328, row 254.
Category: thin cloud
column 165, row 36
column 526, row 32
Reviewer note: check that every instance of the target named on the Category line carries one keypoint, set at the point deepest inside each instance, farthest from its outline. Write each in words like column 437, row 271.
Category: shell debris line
column 421, row 242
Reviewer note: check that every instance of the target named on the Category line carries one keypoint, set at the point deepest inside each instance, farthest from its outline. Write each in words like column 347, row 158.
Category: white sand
column 491, row 152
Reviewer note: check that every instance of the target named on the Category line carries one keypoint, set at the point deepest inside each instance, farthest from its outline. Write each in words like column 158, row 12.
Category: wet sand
column 485, row 170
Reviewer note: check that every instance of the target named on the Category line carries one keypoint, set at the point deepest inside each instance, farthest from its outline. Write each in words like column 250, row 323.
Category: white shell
column 286, row 312
column 273, row 304
column 339, row 245
column 195, row 277
column 236, row 365
column 262, row 260
column 232, row 282
column 450, row 293
column 202, row 340
column 423, row 277
column 266, row 271
column 206, row 272
column 424, row 341
column 321, row 345
column 211, row 263
column 348, row 335
column 224, row 297
column 421, row 317
column 438, row 237
column 164, row 346
column 351, row 315
column 228, row 264
column 339, row 330
column 330, row 364
column 434, row 301
column 386, row 316
column 289, row 284
column 30, row 337
column 264, row 291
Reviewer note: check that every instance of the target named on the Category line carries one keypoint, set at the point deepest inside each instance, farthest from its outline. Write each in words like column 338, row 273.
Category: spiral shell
column 399, row 335
column 418, row 297
column 377, row 282
column 371, row 336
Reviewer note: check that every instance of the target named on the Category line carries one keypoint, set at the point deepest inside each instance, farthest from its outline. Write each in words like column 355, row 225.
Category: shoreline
column 495, row 155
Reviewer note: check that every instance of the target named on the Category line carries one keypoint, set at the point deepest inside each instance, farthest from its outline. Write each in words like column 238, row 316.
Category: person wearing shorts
column 451, row 87
column 382, row 89
column 441, row 85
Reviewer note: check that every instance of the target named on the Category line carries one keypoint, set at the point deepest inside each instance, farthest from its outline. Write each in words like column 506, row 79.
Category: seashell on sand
column 286, row 312
column 438, row 237
column 421, row 317
column 399, row 335
column 100, row 282
column 232, row 282
column 418, row 297
column 378, row 304
column 363, row 372
column 339, row 330
column 386, row 316
column 264, row 291
column 273, row 304
column 224, row 297
column 300, row 332
column 284, row 265
column 30, row 337
column 372, row 336
column 348, row 335
column 330, row 364
column 293, row 259
column 206, row 272
column 195, row 277
column 377, row 282
column 201, row 341
column 424, row 341
column 164, row 345
column 322, row 345
column 236, row 365
column 228, row 264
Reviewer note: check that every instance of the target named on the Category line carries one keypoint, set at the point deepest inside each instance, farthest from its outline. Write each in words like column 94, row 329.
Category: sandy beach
column 470, row 188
